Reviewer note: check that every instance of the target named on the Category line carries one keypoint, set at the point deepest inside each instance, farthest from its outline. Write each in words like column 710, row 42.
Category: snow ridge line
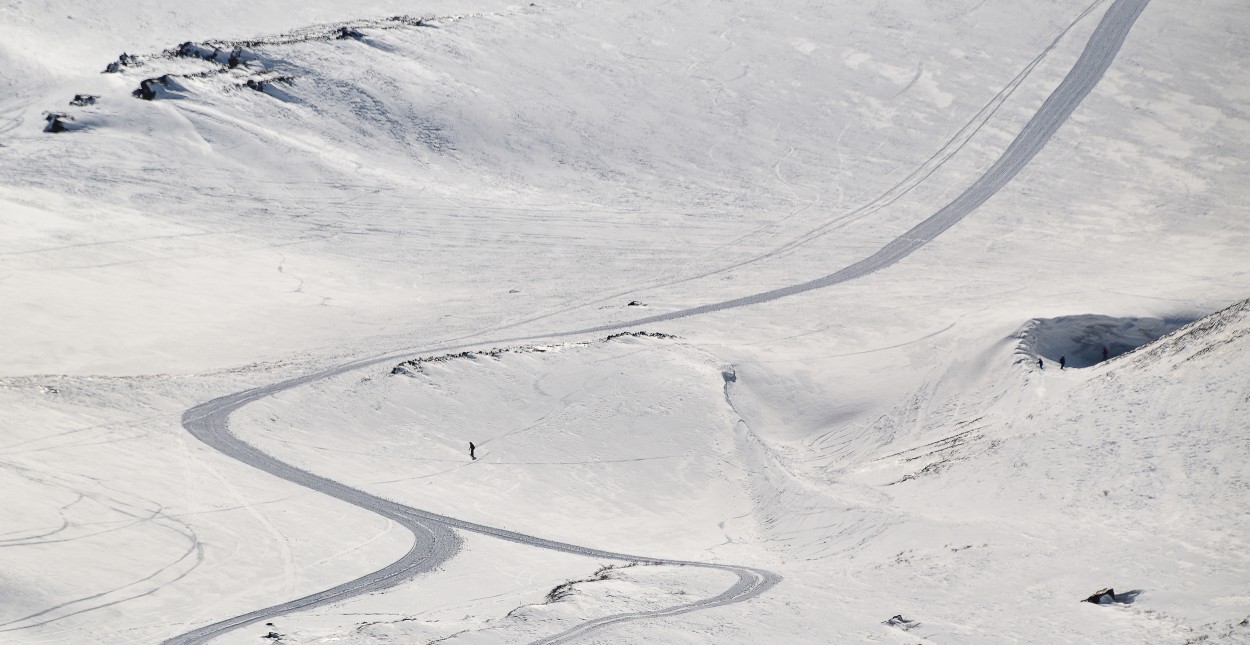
column 436, row 543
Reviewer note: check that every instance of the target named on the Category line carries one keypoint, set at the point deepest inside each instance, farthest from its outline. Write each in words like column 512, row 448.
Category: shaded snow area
column 1082, row 341
column 624, row 322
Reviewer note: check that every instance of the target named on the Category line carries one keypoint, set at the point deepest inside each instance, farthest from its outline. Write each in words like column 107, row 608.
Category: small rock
column 902, row 623
column 81, row 100
column 125, row 60
column 145, row 90
column 195, row 50
column 57, row 122
column 148, row 88
column 1102, row 596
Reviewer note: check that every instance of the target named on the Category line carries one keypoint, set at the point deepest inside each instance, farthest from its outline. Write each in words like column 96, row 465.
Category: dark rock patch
column 158, row 88
column 1108, row 596
column 57, row 122
column 902, row 623
column 125, row 60
column 414, row 366
column 203, row 52
column 638, row 334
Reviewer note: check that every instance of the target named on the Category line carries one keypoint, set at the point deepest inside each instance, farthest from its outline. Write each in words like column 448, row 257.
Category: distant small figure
column 1063, row 360
column 1040, row 364
column 1104, row 352
column 471, row 449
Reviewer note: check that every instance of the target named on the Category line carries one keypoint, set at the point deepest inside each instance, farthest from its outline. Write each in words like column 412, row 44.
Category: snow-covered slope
column 487, row 175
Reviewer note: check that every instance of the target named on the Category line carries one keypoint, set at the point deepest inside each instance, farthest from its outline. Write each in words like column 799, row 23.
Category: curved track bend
column 435, row 542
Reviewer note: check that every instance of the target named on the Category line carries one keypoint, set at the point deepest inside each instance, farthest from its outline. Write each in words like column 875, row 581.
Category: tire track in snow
column 1097, row 56
column 915, row 178
column 436, row 542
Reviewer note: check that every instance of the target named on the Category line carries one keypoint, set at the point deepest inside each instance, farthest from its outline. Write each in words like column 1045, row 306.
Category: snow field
column 887, row 445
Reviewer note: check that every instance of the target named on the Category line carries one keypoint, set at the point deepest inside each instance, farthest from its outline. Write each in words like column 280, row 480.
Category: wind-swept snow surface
column 849, row 243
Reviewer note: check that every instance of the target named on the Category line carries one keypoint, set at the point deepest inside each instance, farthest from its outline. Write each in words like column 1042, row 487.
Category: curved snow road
column 436, row 542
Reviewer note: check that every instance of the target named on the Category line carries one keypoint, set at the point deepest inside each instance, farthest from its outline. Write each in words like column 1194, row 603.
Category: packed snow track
column 436, row 542
column 1097, row 56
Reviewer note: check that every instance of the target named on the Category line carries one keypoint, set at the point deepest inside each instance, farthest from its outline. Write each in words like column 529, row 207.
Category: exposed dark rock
column 1109, row 596
column 901, row 623
column 635, row 303
column 57, row 122
column 1102, row 596
column 413, row 367
column 81, row 100
column 263, row 85
column 125, row 60
column 638, row 334
column 409, row 21
column 147, row 89
column 154, row 88
column 195, row 50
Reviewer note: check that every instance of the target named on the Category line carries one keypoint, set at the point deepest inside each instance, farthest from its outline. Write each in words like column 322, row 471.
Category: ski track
column 436, row 541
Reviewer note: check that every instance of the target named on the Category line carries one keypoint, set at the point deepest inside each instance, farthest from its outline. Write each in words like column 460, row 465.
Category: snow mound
column 1081, row 339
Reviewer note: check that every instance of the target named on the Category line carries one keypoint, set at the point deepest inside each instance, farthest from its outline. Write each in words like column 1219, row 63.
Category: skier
column 1040, row 365
column 471, row 449
column 1063, row 360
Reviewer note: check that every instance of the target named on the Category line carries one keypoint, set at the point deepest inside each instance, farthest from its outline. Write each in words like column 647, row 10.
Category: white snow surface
column 507, row 173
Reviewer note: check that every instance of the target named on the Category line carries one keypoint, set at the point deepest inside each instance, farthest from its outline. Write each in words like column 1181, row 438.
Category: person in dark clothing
column 1063, row 360
column 1104, row 352
column 471, row 449
column 1040, row 364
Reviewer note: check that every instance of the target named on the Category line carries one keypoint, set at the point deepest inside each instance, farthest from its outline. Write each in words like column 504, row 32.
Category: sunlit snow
column 799, row 322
